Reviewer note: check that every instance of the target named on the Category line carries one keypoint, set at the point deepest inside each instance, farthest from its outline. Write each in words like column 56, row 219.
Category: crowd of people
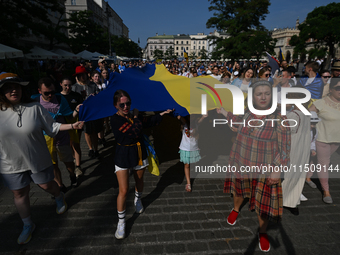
column 49, row 121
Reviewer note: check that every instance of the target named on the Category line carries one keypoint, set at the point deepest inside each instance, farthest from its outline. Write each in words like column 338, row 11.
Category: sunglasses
column 49, row 93
column 326, row 77
column 337, row 88
column 267, row 75
column 122, row 105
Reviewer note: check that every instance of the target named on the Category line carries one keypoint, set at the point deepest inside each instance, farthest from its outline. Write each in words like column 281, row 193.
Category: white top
column 328, row 127
column 217, row 77
column 24, row 148
column 188, row 143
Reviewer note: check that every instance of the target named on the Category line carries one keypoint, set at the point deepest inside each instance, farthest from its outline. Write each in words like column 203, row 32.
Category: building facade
column 158, row 42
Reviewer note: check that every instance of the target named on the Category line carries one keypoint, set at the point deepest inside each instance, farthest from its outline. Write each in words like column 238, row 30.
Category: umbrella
column 65, row 54
column 39, row 53
column 85, row 54
column 9, row 52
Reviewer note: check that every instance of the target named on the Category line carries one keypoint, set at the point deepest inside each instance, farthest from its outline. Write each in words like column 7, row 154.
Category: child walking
column 188, row 149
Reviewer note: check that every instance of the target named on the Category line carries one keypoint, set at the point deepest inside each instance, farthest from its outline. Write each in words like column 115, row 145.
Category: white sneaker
column 120, row 232
column 303, row 198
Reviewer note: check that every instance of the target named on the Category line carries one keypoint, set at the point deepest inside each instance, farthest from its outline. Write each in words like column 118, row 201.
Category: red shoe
column 264, row 242
column 232, row 217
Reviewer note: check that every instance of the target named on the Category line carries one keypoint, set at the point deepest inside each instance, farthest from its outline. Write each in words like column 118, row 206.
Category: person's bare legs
column 123, row 182
column 57, row 175
column 139, row 179
column 22, row 201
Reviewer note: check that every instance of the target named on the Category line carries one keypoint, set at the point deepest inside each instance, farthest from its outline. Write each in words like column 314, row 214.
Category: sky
column 148, row 17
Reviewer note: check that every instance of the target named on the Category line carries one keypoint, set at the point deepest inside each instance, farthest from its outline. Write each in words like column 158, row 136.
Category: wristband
column 72, row 126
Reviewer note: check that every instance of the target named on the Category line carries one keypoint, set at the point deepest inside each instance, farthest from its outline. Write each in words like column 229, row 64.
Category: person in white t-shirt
column 215, row 73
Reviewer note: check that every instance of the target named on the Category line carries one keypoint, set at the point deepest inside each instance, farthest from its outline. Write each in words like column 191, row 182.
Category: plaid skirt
column 265, row 200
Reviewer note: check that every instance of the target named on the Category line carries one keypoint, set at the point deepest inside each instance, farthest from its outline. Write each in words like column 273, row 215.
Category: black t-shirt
column 73, row 99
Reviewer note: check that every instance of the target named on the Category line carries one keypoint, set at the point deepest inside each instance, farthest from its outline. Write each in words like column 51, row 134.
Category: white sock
column 27, row 221
column 138, row 195
column 121, row 216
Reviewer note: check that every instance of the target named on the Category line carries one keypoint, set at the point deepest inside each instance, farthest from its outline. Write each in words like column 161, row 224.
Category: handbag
column 152, row 157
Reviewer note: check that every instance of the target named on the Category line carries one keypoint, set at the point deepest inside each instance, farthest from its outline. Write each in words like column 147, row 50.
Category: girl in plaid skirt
column 266, row 145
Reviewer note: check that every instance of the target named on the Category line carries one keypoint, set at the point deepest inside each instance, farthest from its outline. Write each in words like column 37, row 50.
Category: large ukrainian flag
column 153, row 88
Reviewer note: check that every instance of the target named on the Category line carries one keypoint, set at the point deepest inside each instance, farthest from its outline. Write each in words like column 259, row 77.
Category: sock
column 27, row 221
column 121, row 216
column 138, row 195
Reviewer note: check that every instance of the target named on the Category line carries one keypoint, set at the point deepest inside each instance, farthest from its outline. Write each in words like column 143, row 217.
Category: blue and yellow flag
column 186, row 56
column 281, row 56
column 154, row 88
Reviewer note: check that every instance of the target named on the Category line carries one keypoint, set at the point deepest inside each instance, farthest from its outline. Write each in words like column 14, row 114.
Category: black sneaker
column 63, row 189
column 74, row 181
column 96, row 155
column 91, row 153
column 100, row 141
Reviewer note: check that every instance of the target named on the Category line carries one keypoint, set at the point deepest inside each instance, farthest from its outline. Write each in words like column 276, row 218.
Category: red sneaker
column 264, row 242
column 232, row 217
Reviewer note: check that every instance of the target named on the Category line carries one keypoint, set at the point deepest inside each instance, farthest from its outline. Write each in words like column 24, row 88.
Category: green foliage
column 158, row 54
column 85, row 34
column 18, row 18
column 192, row 55
column 125, row 47
column 242, row 21
column 203, row 54
column 170, row 53
column 322, row 24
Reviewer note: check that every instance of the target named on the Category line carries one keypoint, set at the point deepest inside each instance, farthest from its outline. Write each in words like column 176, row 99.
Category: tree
column 203, row 54
column 242, row 21
column 19, row 19
column 260, row 42
column 193, row 55
column 85, row 34
column 322, row 25
column 125, row 47
column 170, row 53
column 158, row 54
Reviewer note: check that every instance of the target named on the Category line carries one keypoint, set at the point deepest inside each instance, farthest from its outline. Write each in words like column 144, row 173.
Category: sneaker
column 26, row 234
column 311, row 184
column 63, row 188
column 327, row 200
column 78, row 172
column 264, row 242
column 74, row 181
column 139, row 206
column 100, row 141
column 120, row 232
column 61, row 204
column 231, row 220
column 303, row 198
column 96, row 155
column 91, row 153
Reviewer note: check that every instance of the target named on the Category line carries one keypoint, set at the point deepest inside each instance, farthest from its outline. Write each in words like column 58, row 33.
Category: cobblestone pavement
column 174, row 221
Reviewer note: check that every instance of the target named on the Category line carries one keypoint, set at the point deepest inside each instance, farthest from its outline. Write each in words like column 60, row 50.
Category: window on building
column 199, row 42
column 187, row 42
column 187, row 48
column 194, row 42
column 194, row 47
column 181, row 48
column 176, row 42
column 176, row 48
column 199, row 47
column 73, row 2
column 181, row 42
column 176, row 53
column 203, row 47
column 167, row 46
column 182, row 54
column 151, row 47
column 161, row 47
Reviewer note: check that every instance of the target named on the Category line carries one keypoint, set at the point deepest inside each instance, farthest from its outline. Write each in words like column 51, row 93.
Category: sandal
column 188, row 188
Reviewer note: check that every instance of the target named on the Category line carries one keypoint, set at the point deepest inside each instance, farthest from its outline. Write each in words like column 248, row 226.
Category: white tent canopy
column 85, row 54
column 9, row 52
column 39, row 53
column 65, row 54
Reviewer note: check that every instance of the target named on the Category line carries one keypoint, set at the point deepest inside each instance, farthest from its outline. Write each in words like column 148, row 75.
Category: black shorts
column 93, row 126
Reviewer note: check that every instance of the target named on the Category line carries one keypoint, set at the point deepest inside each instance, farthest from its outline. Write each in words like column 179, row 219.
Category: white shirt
column 217, row 77
column 24, row 148
column 188, row 142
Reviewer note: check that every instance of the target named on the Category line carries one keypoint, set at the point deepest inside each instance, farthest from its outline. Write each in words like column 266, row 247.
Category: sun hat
column 11, row 78
column 336, row 66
